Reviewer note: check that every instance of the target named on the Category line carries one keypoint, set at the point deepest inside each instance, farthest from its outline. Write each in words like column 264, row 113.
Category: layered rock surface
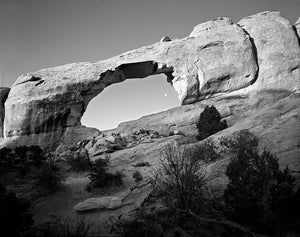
column 218, row 58
column 3, row 95
column 278, row 51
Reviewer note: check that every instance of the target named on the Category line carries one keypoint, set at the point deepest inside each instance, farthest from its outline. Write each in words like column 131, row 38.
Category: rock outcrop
column 219, row 57
column 278, row 51
column 297, row 27
column 3, row 95
column 109, row 202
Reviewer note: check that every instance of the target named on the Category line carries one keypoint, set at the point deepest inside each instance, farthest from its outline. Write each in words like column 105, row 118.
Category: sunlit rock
column 218, row 58
column 3, row 95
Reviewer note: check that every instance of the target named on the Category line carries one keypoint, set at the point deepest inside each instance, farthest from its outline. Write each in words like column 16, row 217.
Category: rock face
column 3, row 95
column 109, row 202
column 219, row 57
column 278, row 50
column 297, row 27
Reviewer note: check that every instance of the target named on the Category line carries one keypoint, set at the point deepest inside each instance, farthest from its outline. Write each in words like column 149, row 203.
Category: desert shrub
column 47, row 176
column 145, row 225
column 79, row 162
column 20, row 154
column 239, row 141
column 63, row 227
column 14, row 216
column 100, row 177
column 36, row 155
column 209, row 122
column 23, row 156
column 180, row 179
column 137, row 176
column 5, row 154
column 207, row 151
column 258, row 194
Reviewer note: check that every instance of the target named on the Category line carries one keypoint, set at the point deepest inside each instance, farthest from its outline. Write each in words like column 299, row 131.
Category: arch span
column 215, row 60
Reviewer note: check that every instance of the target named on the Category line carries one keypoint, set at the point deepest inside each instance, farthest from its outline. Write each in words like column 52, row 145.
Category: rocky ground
column 273, row 116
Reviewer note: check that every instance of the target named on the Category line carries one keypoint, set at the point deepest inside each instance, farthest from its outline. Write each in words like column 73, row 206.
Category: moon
column 166, row 94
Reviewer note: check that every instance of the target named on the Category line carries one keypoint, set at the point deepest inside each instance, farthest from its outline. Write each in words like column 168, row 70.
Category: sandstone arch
column 218, row 57
column 219, row 60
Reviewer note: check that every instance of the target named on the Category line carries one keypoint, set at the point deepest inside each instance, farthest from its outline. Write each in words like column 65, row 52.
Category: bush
column 22, row 159
column 63, row 227
column 179, row 179
column 5, row 154
column 207, row 151
column 79, row 162
column 137, row 176
column 30, row 155
column 258, row 194
column 14, row 217
column 209, row 123
column 47, row 176
column 100, row 177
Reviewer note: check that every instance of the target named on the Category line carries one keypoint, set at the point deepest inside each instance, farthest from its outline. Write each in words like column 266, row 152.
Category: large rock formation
column 3, row 96
column 219, row 57
column 278, row 51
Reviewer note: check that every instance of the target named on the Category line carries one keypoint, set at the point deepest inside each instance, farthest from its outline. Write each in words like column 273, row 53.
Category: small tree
column 137, row 176
column 179, row 178
column 206, row 151
column 63, row 227
column 100, row 177
column 47, row 176
column 80, row 161
column 258, row 193
column 209, row 122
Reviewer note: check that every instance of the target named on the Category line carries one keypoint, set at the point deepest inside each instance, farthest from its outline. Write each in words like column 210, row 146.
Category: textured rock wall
column 218, row 57
column 278, row 51
column 3, row 95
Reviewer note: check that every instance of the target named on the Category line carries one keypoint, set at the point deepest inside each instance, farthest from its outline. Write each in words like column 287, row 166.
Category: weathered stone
column 3, row 95
column 72, row 135
column 66, row 155
column 81, row 153
column 218, row 60
column 96, row 134
column 297, row 28
column 90, row 144
column 219, row 22
column 165, row 39
column 90, row 204
column 278, row 51
column 61, row 149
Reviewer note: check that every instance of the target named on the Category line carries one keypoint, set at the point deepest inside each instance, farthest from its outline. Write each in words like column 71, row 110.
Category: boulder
column 66, row 155
column 165, row 39
column 278, row 51
column 73, row 135
column 61, row 149
column 109, row 202
column 81, row 153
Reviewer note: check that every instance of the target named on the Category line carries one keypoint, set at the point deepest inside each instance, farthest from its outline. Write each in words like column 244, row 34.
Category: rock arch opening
column 130, row 100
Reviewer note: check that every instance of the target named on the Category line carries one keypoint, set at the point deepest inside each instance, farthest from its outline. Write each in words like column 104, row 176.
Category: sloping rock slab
column 109, row 202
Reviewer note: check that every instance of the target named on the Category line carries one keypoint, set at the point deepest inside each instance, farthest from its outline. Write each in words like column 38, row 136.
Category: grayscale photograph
column 150, row 118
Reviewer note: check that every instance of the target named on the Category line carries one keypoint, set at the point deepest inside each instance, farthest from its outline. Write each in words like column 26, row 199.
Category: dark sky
column 35, row 34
